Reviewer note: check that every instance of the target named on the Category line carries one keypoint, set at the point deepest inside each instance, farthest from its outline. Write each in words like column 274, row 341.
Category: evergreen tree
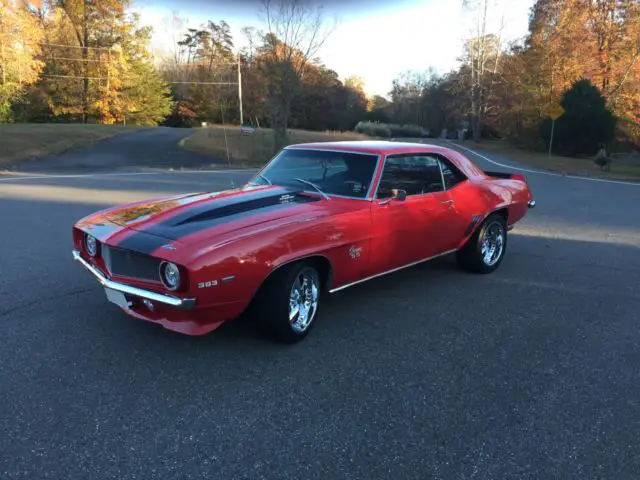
column 586, row 124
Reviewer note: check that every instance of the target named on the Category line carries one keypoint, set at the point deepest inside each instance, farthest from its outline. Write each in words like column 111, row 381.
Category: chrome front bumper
column 183, row 303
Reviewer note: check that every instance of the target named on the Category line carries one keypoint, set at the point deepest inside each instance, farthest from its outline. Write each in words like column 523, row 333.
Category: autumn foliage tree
column 78, row 60
column 90, row 61
column 570, row 40
column 20, row 48
column 97, row 65
column 506, row 89
column 90, row 30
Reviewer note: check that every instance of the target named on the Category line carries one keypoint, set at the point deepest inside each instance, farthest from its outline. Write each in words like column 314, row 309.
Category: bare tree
column 482, row 56
column 295, row 33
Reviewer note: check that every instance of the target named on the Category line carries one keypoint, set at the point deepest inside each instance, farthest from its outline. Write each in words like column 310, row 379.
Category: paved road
column 152, row 148
column 531, row 372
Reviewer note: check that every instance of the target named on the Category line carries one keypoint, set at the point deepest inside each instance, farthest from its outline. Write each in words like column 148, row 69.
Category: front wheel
column 288, row 303
column 485, row 249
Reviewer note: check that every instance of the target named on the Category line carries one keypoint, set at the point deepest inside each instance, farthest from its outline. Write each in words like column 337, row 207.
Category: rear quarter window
column 451, row 175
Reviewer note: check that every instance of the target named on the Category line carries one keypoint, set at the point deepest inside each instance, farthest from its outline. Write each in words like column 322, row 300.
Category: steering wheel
column 355, row 186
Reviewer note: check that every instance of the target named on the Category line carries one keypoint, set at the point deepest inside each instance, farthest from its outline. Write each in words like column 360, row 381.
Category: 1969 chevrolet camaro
column 318, row 218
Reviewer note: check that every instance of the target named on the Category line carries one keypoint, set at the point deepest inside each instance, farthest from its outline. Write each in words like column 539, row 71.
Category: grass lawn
column 252, row 150
column 21, row 141
column 557, row 163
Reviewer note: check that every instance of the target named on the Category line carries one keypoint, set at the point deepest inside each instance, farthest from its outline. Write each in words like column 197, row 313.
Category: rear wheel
column 485, row 250
column 288, row 302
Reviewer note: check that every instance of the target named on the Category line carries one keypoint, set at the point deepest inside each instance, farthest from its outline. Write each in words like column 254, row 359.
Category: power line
column 82, row 77
column 74, row 76
column 86, row 77
column 75, row 46
column 207, row 83
column 78, row 59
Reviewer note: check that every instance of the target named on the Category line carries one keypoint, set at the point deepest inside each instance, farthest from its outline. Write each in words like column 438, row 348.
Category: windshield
column 335, row 173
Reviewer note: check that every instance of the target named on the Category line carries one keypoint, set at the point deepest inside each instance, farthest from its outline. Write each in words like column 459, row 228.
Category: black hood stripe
column 177, row 232
column 211, row 214
column 225, row 206
column 142, row 242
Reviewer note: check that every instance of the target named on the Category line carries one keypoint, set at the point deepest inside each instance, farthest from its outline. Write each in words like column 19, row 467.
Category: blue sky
column 375, row 39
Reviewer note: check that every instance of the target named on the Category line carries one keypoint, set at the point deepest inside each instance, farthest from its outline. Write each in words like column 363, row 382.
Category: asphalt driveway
column 152, row 148
column 530, row 372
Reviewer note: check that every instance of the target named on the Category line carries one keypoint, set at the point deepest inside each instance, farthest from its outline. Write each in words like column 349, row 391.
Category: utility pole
column 553, row 124
column 108, row 65
column 240, row 90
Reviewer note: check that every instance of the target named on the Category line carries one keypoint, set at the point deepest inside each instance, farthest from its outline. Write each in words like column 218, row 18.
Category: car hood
column 185, row 218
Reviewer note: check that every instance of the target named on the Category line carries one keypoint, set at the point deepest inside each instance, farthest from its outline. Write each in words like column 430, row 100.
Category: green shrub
column 387, row 130
column 373, row 129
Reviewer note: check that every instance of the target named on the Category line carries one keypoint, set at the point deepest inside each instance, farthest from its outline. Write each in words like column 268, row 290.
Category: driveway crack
column 4, row 313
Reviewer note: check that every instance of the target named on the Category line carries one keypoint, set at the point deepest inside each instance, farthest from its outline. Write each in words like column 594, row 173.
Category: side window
column 416, row 174
column 451, row 175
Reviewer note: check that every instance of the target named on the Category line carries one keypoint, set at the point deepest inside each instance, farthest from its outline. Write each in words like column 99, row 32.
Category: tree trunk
column 280, row 136
column 476, row 126
column 2, row 62
column 280, row 124
column 85, row 56
column 604, row 64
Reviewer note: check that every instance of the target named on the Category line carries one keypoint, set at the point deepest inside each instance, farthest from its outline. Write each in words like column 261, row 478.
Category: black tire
column 470, row 256
column 271, row 306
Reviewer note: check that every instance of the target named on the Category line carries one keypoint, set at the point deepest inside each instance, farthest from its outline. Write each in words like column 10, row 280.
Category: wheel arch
column 319, row 260
column 503, row 211
column 468, row 253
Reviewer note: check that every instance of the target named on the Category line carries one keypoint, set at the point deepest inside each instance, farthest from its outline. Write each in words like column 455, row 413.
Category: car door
column 408, row 230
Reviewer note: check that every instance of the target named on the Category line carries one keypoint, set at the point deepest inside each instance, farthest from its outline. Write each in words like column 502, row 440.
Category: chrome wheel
column 492, row 244
column 303, row 299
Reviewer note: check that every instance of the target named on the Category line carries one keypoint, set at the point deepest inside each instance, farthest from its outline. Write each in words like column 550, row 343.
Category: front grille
column 130, row 264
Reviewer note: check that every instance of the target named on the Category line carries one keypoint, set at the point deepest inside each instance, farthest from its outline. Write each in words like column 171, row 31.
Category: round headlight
column 170, row 275
column 92, row 245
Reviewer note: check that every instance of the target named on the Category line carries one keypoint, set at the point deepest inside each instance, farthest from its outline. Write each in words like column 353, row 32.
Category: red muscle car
column 318, row 218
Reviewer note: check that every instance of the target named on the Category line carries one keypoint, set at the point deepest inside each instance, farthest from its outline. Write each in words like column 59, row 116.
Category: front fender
column 234, row 271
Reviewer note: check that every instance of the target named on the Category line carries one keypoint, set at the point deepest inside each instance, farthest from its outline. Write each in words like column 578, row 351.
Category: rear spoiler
column 509, row 176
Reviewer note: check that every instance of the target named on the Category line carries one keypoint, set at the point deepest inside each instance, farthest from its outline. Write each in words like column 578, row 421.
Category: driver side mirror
column 396, row 194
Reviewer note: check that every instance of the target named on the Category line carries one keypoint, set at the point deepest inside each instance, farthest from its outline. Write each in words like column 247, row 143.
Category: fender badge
column 287, row 198
column 354, row 252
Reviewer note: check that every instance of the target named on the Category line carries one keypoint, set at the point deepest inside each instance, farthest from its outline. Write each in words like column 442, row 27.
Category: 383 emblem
column 213, row 283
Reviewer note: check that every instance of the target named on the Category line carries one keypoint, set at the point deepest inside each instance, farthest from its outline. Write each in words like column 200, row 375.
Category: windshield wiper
column 314, row 186
column 264, row 178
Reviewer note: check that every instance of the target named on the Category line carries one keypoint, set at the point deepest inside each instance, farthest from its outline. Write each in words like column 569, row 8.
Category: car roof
column 364, row 146
column 386, row 147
